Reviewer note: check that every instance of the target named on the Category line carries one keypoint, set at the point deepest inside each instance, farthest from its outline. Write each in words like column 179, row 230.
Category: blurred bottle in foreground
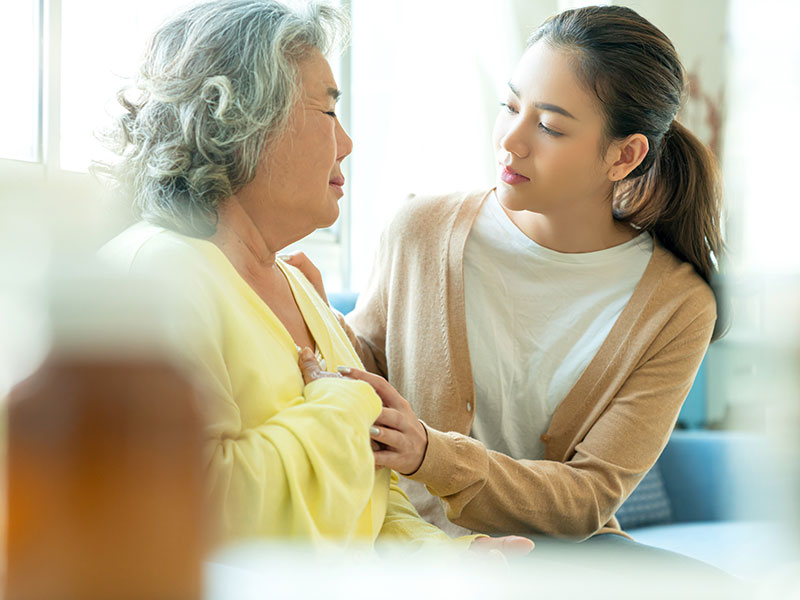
column 104, row 471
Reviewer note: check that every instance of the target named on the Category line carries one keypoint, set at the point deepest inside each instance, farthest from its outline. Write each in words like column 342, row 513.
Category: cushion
column 648, row 504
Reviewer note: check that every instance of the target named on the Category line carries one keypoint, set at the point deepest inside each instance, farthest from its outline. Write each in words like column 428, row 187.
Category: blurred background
column 422, row 83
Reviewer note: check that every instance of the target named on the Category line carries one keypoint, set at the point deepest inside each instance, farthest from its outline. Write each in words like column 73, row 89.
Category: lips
column 511, row 177
column 337, row 183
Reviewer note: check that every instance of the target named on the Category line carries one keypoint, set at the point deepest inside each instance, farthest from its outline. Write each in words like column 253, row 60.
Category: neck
column 241, row 241
column 586, row 230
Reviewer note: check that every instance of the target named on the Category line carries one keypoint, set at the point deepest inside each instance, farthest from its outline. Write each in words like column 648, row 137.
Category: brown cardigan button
column 545, row 438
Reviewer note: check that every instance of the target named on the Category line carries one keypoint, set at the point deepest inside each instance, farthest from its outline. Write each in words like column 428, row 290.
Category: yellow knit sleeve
column 306, row 473
column 403, row 525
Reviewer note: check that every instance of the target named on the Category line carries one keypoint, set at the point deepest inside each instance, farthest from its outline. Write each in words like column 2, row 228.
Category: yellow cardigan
column 284, row 460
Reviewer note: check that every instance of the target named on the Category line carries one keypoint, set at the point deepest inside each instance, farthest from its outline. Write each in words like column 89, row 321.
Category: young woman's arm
column 491, row 492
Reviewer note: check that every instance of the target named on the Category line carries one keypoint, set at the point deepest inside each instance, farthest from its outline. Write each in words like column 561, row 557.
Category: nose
column 515, row 139
column 344, row 145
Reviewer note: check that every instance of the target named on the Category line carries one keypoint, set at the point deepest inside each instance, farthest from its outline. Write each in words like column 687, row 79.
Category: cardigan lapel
column 454, row 304
column 311, row 307
column 582, row 405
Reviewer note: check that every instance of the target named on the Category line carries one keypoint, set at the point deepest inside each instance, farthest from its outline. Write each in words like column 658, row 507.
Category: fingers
column 403, row 437
column 388, row 437
column 307, row 268
column 482, row 543
column 391, row 418
column 309, row 366
column 398, row 450
column 293, row 258
column 390, row 429
column 509, row 545
column 515, row 545
column 302, row 262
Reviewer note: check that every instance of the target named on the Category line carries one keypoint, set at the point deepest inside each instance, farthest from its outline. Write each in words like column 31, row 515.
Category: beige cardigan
column 410, row 326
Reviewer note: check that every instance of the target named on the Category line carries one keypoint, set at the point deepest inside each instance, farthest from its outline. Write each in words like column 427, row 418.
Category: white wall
column 427, row 81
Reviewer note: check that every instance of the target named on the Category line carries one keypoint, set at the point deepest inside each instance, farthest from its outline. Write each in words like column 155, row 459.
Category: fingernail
column 374, row 431
column 343, row 369
column 285, row 256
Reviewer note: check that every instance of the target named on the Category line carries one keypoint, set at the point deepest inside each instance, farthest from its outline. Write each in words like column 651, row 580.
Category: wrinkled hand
column 508, row 545
column 307, row 268
column 402, row 439
column 310, row 368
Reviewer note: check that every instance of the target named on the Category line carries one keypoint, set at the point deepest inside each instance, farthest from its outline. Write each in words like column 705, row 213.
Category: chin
column 330, row 218
column 512, row 199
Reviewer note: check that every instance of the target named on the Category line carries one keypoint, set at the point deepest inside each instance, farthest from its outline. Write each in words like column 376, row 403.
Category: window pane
column 97, row 60
column 19, row 102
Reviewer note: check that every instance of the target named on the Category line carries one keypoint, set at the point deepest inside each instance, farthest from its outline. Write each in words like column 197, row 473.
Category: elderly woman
column 232, row 150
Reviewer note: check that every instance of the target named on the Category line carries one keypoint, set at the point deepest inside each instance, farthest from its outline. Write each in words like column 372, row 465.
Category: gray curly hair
column 217, row 85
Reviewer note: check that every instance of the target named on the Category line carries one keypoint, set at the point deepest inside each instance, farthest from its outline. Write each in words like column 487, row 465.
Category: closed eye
column 331, row 113
column 549, row 131
column 509, row 108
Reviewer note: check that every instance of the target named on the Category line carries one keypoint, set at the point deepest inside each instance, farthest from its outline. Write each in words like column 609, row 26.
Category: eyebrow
column 545, row 105
column 334, row 93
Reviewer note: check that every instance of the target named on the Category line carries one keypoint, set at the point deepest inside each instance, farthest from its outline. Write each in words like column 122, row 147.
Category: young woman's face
column 548, row 138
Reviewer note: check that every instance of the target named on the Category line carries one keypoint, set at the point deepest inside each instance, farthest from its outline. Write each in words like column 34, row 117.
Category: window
column 102, row 44
column 73, row 56
column 20, row 105
column 70, row 58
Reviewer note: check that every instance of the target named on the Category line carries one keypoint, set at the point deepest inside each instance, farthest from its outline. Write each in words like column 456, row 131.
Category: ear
column 625, row 155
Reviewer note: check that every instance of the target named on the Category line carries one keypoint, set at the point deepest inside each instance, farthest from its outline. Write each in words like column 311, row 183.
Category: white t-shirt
column 535, row 319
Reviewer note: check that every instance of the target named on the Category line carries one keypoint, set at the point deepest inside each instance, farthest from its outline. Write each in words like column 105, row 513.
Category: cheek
column 324, row 151
column 576, row 161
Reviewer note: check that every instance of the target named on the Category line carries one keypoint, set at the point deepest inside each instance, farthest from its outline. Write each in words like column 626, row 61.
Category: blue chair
column 694, row 414
column 721, row 493
column 344, row 302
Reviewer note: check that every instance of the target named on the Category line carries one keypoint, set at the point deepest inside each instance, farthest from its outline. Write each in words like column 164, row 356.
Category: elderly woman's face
column 299, row 183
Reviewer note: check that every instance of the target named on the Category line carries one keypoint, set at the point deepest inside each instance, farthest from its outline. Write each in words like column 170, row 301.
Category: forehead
column 547, row 74
column 316, row 77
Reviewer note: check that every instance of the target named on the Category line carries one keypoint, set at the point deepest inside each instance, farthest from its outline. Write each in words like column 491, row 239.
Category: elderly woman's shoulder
column 143, row 244
column 421, row 214
column 147, row 249
column 177, row 265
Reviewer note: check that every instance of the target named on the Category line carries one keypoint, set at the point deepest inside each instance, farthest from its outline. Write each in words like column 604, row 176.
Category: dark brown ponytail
column 635, row 73
column 678, row 199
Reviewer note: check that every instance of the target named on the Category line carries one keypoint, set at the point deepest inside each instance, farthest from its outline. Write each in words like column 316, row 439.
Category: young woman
column 547, row 331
